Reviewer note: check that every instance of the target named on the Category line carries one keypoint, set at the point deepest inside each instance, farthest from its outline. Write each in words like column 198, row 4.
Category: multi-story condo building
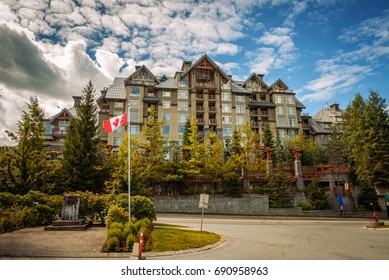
column 204, row 91
column 323, row 122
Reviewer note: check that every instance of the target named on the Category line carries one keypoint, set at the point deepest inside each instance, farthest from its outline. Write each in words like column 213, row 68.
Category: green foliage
column 122, row 236
column 32, row 209
column 368, row 199
column 233, row 187
column 142, row 207
column 311, row 153
column 81, row 158
column 277, row 190
column 366, row 132
column 25, row 167
column 116, row 214
column 305, row 206
column 316, row 195
column 268, row 139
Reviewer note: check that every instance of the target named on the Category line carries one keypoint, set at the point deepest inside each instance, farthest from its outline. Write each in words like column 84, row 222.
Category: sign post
column 204, row 198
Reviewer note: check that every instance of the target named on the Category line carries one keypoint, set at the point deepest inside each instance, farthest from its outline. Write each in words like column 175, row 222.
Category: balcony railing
column 199, row 96
column 211, row 97
column 58, row 133
column 212, row 109
column 205, row 84
column 254, row 124
column 199, row 108
column 212, row 121
column 199, row 121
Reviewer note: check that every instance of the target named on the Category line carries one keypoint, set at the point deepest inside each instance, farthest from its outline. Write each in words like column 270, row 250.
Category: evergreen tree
column 154, row 148
column 316, row 195
column 214, row 164
column 367, row 199
column 195, row 164
column 81, row 162
column 233, row 187
column 337, row 148
column 278, row 191
column 185, row 139
column 236, row 142
column 26, row 164
column 366, row 132
column 268, row 139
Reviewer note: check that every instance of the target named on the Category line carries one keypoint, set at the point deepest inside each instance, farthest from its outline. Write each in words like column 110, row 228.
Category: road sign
column 204, row 198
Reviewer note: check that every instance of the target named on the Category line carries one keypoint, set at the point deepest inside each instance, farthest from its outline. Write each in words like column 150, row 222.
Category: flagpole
column 129, row 161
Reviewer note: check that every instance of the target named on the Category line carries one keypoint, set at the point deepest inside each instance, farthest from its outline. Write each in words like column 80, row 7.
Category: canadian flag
column 114, row 123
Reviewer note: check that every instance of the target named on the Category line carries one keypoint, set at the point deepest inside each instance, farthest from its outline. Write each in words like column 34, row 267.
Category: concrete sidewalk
column 36, row 243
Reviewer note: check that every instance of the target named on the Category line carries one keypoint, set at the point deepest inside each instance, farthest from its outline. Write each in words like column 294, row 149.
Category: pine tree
column 316, row 195
column 337, row 148
column 27, row 165
column 80, row 155
column 268, row 139
column 366, row 132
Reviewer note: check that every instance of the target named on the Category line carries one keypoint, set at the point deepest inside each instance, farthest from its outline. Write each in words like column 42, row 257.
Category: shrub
column 131, row 239
column 8, row 199
column 112, row 244
column 116, row 214
column 142, row 207
column 305, row 206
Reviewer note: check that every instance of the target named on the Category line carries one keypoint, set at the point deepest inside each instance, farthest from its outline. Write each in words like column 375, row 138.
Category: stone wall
column 246, row 205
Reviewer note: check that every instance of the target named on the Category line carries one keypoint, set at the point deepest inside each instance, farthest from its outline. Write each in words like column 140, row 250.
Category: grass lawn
column 172, row 239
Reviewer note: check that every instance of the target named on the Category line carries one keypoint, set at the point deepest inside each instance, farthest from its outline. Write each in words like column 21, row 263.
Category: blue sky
column 324, row 50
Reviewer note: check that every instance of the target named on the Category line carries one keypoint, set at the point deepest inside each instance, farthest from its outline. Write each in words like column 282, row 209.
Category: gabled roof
column 279, row 81
column 162, row 78
column 71, row 112
column 117, row 90
column 257, row 78
column 137, row 71
column 299, row 105
column 168, row 84
column 239, row 89
column 205, row 56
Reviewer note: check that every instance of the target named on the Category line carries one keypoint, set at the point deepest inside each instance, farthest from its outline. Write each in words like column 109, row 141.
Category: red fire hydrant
column 375, row 217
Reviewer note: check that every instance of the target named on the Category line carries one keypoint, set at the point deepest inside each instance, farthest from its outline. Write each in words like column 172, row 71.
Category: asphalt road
column 271, row 238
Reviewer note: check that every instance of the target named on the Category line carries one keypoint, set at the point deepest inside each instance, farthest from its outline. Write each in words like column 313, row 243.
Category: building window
column 290, row 100
column 182, row 106
column 166, row 104
column 280, row 111
column 181, row 130
column 182, row 94
column 227, row 120
column 182, row 118
column 239, row 98
column 118, row 104
column 117, row 141
column 291, row 111
column 226, row 108
column 281, row 122
column 134, row 104
column 166, row 117
column 134, row 117
column 182, row 83
column 240, row 120
column 240, row 109
column 226, row 96
column 281, row 134
column 118, row 130
column 279, row 99
column 166, row 93
column 135, row 91
column 166, row 129
column 227, row 132
column 292, row 122
column 134, row 129
column 292, row 134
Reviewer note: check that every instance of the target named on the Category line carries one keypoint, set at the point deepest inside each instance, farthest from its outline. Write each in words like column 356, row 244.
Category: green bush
column 131, row 239
column 305, row 206
column 142, row 207
column 113, row 244
column 8, row 199
column 116, row 214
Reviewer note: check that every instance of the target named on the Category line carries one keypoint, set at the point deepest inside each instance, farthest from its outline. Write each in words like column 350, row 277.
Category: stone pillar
column 269, row 162
column 298, row 169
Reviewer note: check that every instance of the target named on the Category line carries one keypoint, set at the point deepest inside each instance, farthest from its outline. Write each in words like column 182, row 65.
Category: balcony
column 306, row 126
column 199, row 109
column 212, row 109
column 58, row 133
column 200, row 121
column 254, row 113
column 254, row 124
column 150, row 98
column 264, row 114
column 212, row 122
column 199, row 97
column 205, row 85
column 212, row 97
